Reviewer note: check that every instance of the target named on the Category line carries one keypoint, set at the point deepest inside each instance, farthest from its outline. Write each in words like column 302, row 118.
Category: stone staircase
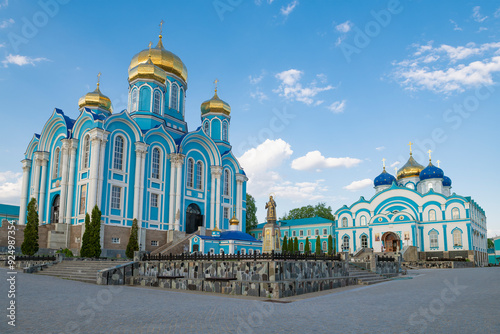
column 83, row 271
column 366, row 277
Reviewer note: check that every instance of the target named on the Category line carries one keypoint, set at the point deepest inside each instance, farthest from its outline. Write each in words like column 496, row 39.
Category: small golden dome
column 95, row 99
column 162, row 58
column 410, row 169
column 147, row 70
column 234, row 221
column 215, row 105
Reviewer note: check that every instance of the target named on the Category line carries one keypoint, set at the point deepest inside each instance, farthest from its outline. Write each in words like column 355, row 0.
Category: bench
column 218, row 279
column 168, row 277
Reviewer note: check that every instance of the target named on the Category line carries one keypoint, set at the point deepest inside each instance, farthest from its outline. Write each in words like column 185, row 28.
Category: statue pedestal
column 271, row 234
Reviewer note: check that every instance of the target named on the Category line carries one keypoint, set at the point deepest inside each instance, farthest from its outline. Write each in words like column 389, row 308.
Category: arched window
column 156, row 102
column 344, row 222
column 345, row 243
column 429, row 187
column 301, row 246
column 118, row 153
column 455, row 213
column 155, row 163
column 206, row 128
column 363, row 220
column 134, row 100
column 227, row 176
column 224, row 131
column 55, row 173
column 86, row 152
column 364, row 241
column 145, row 99
column 324, row 246
column 432, row 215
column 301, row 233
column 433, row 239
column 190, row 170
column 457, row 238
column 174, row 97
column 199, row 175
column 410, row 185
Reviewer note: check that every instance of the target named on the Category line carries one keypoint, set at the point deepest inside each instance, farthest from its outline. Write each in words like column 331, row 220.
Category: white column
column 71, row 180
column 64, row 179
column 43, row 183
column 142, row 233
column 140, row 154
column 176, row 162
column 212, row 201
column 178, row 193
column 100, row 177
column 94, row 171
column 216, row 173
column 240, row 179
column 171, row 207
column 24, row 191
column 36, row 186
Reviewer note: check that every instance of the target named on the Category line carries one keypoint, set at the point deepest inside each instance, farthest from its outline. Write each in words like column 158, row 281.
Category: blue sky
column 321, row 91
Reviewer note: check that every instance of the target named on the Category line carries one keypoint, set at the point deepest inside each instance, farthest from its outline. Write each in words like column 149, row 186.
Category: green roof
column 298, row 222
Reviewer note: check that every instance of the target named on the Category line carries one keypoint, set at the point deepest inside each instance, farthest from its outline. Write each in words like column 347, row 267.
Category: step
column 63, row 275
column 374, row 282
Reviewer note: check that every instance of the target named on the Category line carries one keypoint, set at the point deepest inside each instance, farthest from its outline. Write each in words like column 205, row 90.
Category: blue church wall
column 215, row 127
column 145, row 98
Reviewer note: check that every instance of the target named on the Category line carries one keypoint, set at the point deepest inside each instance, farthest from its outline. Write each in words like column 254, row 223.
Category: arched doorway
column 194, row 218
column 391, row 241
column 55, row 210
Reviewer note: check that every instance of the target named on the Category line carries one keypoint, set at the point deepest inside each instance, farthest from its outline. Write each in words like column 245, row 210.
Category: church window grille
column 156, row 102
column 199, row 175
column 364, row 241
column 363, row 220
column 190, row 166
column 175, row 97
column 316, row 232
column 308, row 232
column 226, row 213
column 243, row 251
column 344, row 222
column 116, row 193
column 224, row 131
column 345, row 244
column 86, row 152
column 155, row 166
column 294, row 233
column 432, row 215
column 134, row 100
column 457, row 238
column 118, row 153
column 433, row 239
column 227, row 176
column 83, row 199
column 206, row 128
column 455, row 213
column 154, row 200
column 56, row 164
column 154, row 242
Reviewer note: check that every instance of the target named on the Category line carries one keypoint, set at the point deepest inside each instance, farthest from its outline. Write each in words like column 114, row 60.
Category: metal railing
column 238, row 256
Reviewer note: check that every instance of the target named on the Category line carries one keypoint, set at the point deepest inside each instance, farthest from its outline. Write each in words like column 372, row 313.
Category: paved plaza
column 434, row 301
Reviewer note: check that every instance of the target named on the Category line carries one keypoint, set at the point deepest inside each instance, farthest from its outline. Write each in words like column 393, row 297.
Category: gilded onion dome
column 162, row 58
column 410, row 169
column 95, row 99
column 234, row 221
column 215, row 105
column 147, row 70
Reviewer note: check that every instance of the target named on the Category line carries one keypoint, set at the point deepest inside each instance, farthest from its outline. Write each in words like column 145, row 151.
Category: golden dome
column 234, row 221
column 147, row 70
column 95, row 99
column 410, row 169
column 162, row 58
column 215, row 105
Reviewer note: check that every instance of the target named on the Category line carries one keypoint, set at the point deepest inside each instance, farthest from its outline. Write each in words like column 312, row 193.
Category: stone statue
column 271, row 210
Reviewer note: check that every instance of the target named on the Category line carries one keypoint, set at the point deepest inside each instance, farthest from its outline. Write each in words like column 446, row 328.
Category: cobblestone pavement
column 435, row 301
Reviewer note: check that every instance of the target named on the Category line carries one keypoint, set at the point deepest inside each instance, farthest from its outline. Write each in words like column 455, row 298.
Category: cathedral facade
column 141, row 163
column 415, row 208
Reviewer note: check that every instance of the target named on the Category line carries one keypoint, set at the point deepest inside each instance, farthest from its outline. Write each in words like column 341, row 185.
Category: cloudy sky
column 321, row 91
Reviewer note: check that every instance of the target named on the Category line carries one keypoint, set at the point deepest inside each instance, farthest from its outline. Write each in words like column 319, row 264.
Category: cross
column 396, row 169
column 98, row 78
column 429, row 151
column 161, row 26
column 383, row 161
column 438, row 162
column 410, row 146
column 215, row 82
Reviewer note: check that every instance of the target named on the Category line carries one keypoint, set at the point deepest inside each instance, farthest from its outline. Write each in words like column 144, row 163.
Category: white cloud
column 2, row 45
column 358, row 185
column 21, row 60
column 10, row 187
column 4, row 4
column 394, row 164
column 258, row 95
column 493, row 233
column 6, row 23
column 255, row 80
column 285, row 11
column 299, row 191
column 455, row 26
column 477, row 15
column 380, row 148
column 337, row 106
column 292, row 89
column 270, row 154
column 344, row 27
column 315, row 160
column 497, row 13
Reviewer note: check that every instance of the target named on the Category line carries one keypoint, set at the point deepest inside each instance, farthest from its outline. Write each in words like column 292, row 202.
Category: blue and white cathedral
column 414, row 208
column 141, row 163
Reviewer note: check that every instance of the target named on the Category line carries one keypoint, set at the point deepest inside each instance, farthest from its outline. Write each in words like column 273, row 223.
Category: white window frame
column 455, row 213
column 316, row 232
column 157, row 102
column 154, row 200
column 345, row 243
column 118, row 156
column 227, row 183
column 364, row 241
column 174, row 96
column 433, row 239
column 226, row 212
column 325, row 231
column 190, row 173
column 83, row 199
column 344, row 222
column 86, row 152
column 156, row 164
column 55, row 169
column 134, row 100
column 116, row 202
column 115, row 240
column 199, row 175
column 432, row 215
column 457, row 236
column 154, row 243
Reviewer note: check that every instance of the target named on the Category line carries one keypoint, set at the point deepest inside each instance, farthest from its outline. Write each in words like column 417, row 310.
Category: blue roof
column 446, row 181
column 9, row 210
column 299, row 222
column 431, row 172
column 384, row 179
column 231, row 235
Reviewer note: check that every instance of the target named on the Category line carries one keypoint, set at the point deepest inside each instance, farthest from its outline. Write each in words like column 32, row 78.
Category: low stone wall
column 439, row 264
column 387, row 268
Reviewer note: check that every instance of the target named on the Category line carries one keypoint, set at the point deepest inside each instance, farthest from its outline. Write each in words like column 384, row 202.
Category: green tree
column 330, row 245
column 318, row 246
column 296, row 245
column 307, row 249
column 133, row 243
column 96, row 232
column 251, row 216
column 309, row 211
column 491, row 244
column 284, row 248
column 86, row 244
column 30, row 242
column 290, row 245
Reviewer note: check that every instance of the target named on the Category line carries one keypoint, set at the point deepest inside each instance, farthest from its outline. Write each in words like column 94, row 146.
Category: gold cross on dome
column 410, row 146
column 161, row 26
column 383, row 162
column 438, row 162
column 215, row 82
column 429, row 151
column 98, row 78
column 396, row 169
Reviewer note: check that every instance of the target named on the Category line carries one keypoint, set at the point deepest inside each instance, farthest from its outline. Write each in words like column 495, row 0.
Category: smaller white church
column 415, row 208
